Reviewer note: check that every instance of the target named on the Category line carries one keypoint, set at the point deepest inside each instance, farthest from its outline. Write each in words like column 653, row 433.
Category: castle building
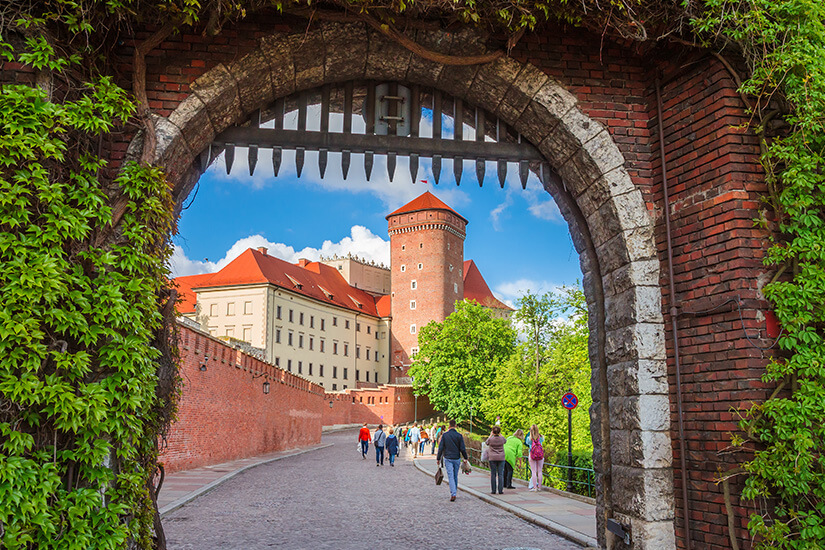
column 343, row 322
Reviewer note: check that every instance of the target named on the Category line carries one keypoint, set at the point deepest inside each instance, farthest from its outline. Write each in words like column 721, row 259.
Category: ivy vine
column 87, row 377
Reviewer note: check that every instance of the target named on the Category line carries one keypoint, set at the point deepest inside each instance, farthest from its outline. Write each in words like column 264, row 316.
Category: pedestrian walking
column 415, row 436
column 449, row 454
column 496, row 456
column 437, row 431
column 379, row 440
column 513, row 449
column 406, row 436
column 535, row 444
column 392, row 446
column 364, row 439
column 425, row 438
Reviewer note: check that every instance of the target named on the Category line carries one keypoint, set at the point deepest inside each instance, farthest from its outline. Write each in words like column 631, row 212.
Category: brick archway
column 608, row 219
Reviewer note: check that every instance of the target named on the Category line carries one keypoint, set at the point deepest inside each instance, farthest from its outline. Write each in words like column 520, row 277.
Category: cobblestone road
column 333, row 499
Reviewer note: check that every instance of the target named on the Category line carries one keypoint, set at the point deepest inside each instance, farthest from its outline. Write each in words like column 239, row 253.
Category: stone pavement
column 573, row 519
column 330, row 498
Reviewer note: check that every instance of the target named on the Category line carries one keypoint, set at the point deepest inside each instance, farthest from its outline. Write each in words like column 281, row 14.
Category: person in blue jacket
column 392, row 447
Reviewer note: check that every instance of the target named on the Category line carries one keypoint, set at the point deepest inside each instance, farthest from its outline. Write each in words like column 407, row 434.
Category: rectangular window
column 277, row 336
column 335, row 321
column 413, row 352
column 358, row 352
column 322, row 346
column 312, row 321
column 368, row 376
column 289, row 338
column 300, row 340
column 300, row 367
column 277, row 361
column 230, row 308
column 278, row 313
column 301, row 318
column 320, row 370
column 412, row 329
column 334, row 387
column 291, row 315
column 310, row 369
column 346, row 323
column 213, row 310
column 247, row 308
column 368, row 354
column 247, row 334
column 345, row 373
column 230, row 331
column 357, row 374
column 346, row 349
column 289, row 365
column 376, row 356
column 335, row 348
column 413, row 284
column 357, row 327
column 311, row 343
column 335, row 372
column 323, row 324
column 412, row 304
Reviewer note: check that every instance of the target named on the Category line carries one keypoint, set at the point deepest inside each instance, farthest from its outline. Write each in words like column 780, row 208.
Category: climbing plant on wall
column 86, row 358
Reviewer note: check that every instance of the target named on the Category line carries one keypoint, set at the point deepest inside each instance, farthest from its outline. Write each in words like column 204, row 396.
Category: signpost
column 569, row 401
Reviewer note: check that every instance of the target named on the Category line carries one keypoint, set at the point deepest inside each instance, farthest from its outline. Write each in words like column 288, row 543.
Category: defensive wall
column 225, row 412
column 605, row 96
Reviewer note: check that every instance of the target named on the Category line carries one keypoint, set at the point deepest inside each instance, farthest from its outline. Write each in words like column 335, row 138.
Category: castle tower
column 427, row 257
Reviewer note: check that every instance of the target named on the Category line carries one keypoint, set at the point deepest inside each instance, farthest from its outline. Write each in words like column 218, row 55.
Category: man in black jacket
column 450, row 451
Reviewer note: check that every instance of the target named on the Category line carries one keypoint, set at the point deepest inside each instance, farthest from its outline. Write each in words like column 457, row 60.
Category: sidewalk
column 570, row 518
column 181, row 487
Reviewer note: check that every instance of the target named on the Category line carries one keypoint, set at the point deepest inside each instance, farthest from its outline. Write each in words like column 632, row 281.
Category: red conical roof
column 426, row 201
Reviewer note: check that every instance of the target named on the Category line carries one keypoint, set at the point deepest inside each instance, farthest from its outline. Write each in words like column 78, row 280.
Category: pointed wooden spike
column 299, row 160
column 458, row 168
column 502, row 172
column 253, row 158
column 322, row 161
column 229, row 156
column 414, row 166
column 481, row 168
column 436, row 168
column 346, row 157
column 368, row 160
column 523, row 172
column 391, row 165
column 277, row 156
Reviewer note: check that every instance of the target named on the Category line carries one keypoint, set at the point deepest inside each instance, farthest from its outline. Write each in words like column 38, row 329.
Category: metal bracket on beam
column 619, row 530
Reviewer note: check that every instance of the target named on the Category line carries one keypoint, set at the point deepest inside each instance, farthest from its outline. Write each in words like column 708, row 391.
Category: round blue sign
column 569, row 401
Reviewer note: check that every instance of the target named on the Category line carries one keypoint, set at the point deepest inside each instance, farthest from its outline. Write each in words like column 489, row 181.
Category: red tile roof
column 476, row 289
column 315, row 280
column 384, row 305
column 186, row 302
column 427, row 201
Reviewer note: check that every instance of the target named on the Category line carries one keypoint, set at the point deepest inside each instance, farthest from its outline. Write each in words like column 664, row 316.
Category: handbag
column 465, row 466
column 484, row 449
column 439, row 476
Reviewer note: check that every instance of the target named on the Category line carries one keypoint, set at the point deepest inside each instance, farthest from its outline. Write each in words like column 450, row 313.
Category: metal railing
column 581, row 482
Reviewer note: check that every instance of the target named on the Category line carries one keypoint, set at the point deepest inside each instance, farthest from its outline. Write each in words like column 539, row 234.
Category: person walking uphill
column 513, row 449
column 535, row 446
column 379, row 440
column 415, row 436
column 450, row 452
column 392, row 447
column 496, row 455
column 364, row 439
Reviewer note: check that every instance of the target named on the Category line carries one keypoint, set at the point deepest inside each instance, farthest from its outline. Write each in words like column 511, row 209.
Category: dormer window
column 326, row 292
column 295, row 282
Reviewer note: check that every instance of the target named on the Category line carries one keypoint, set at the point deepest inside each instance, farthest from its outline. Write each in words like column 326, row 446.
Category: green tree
column 551, row 359
column 458, row 358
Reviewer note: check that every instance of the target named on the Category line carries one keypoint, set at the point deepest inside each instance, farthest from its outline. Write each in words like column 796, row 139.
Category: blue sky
column 517, row 237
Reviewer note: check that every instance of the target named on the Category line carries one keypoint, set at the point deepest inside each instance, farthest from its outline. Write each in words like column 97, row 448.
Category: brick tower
column 427, row 257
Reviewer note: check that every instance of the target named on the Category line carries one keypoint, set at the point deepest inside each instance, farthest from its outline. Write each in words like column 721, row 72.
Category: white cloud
column 510, row 291
column 361, row 242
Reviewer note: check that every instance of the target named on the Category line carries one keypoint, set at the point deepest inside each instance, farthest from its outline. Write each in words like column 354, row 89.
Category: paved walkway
column 330, row 498
column 573, row 519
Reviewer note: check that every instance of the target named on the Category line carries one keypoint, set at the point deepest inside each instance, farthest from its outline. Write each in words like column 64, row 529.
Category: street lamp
column 266, row 387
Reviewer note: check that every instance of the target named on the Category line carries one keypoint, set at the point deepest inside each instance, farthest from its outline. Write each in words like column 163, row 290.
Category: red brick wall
column 224, row 414
column 384, row 405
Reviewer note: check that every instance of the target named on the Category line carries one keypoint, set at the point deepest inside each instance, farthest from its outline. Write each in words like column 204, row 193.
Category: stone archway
column 608, row 219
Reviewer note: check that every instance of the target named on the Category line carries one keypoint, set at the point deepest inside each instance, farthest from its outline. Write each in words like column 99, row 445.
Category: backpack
column 536, row 450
